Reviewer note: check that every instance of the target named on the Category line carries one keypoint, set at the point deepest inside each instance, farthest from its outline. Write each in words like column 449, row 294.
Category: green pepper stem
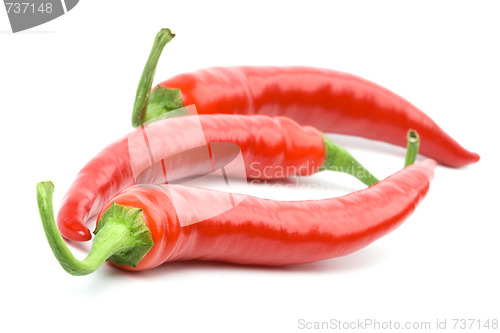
column 413, row 142
column 146, row 81
column 164, row 103
column 121, row 231
column 339, row 159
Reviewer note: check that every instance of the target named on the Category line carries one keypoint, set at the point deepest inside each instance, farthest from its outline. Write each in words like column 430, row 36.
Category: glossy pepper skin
column 269, row 232
column 272, row 147
column 332, row 101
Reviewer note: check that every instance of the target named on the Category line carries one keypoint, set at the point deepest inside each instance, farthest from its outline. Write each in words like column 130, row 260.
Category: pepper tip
column 79, row 232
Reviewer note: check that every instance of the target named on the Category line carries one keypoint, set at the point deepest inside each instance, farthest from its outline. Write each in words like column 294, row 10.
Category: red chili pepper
column 139, row 229
column 272, row 147
column 331, row 101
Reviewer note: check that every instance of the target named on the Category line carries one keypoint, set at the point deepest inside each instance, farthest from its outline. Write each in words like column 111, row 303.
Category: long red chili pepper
column 272, row 147
column 329, row 100
column 139, row 229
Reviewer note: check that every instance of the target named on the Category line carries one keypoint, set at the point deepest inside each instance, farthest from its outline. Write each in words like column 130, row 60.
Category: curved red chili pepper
column 256, row 231
column 272, row 147
column 332, row 101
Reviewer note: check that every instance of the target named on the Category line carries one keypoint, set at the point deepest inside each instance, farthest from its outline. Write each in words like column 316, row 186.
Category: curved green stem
column 121, row 234
column 339, row 159
column 144, row 88
column 413, row 142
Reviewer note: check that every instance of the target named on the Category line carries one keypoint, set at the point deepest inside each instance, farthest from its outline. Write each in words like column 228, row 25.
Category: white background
column 67, row 89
